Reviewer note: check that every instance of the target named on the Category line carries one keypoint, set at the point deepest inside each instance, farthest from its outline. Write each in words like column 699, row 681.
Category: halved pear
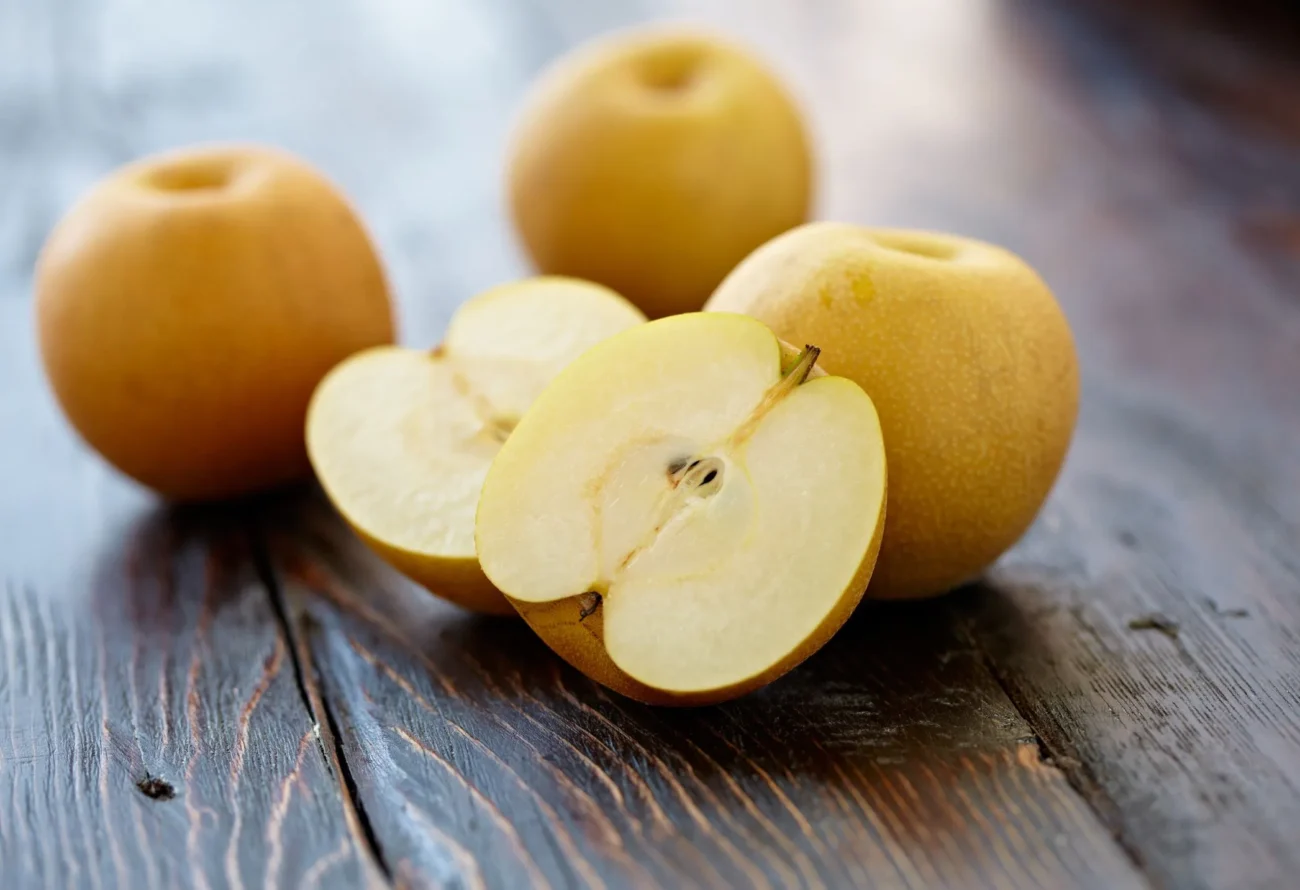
column 401, row 439
column 687, row 512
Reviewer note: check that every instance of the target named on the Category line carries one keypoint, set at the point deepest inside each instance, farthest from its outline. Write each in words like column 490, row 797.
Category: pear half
column 401, row 438
column 687, row 511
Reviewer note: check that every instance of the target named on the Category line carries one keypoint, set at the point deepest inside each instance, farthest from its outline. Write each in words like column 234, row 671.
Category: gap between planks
column 1076, row 773
column 325, row 725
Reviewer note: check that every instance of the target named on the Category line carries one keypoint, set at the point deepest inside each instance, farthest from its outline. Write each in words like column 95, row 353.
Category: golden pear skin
column 188, row 305
column 653, row 161
column 969, row 360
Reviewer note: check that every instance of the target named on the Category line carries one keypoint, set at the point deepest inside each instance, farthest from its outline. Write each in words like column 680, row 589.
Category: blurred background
column 1141, row 155
column 938, row 113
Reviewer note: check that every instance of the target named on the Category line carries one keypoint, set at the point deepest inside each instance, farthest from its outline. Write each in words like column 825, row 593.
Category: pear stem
column 802, row 366
column 793, row 378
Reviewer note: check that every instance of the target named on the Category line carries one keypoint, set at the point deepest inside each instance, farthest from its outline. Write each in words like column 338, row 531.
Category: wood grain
column 152, row 733
column 1052, row 129
column 241, row 696
column 892, row 759
column 1147, row 628
column 1140, row 194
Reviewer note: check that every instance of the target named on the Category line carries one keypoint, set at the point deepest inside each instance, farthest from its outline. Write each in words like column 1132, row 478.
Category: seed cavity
column 677, row 467
column 701, row 477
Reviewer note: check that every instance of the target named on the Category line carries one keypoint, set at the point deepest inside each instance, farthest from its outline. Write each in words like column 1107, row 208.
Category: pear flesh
column 687, row 511
column 401, row 439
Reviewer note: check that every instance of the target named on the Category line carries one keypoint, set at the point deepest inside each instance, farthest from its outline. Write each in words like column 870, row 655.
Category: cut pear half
column 689, row 510
column 401, row 439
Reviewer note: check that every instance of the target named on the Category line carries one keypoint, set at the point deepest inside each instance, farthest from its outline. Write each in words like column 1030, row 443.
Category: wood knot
column 1155, row 621
column 156, row 789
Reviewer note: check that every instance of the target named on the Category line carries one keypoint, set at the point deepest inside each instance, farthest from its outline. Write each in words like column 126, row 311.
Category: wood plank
column 152, row 731
column 1148, row 632
column 1146, row 158
column 1161, row 218
column 891, row 759
column 1158, row 196
column 478, row 757
column 1147, row 628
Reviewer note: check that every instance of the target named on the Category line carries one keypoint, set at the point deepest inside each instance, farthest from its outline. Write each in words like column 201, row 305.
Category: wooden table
column 241, row 696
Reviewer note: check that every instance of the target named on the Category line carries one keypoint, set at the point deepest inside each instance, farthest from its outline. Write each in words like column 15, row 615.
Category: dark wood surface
column 242, row 696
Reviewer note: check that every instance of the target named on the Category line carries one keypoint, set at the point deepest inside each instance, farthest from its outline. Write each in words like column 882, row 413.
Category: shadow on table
column 167, row 560
column 898, row 678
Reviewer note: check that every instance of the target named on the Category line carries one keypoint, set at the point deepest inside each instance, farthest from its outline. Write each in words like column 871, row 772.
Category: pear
column 688, row 511
column 970, row 360
column 401, row 439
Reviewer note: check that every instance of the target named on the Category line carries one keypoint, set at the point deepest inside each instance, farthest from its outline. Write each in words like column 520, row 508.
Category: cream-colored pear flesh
column 686, row 512
column 401, row 439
